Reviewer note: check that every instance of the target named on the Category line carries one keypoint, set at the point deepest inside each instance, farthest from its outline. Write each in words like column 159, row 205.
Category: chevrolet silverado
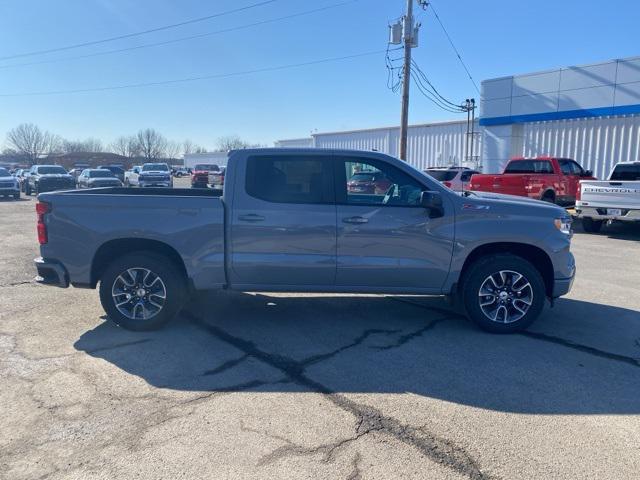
column 287, row 221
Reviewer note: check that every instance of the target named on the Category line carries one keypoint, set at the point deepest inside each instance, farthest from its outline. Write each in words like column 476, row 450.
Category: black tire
column 27, row 189
column 476, row 277
column 170, row 275
column 590, row 225
column 549, row 197
column 16, row 196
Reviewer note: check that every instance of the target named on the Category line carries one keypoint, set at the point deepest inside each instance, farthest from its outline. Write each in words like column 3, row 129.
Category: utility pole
column 407, row 37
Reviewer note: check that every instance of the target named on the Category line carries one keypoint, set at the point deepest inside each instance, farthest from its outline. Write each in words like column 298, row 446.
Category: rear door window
column 290, row 178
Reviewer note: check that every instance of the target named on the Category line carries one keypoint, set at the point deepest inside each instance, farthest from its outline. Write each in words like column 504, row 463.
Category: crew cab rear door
column 387, row 240
column 283, row 221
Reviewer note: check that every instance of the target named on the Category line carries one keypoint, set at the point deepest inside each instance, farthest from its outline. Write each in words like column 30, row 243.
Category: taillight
column 42, row 208
column 579, row 192
column 447, row 184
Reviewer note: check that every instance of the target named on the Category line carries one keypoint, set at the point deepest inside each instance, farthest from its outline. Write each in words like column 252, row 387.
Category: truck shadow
column 348, row 344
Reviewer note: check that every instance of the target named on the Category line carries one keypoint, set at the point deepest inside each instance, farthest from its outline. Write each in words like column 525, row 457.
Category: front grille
column 6, row 184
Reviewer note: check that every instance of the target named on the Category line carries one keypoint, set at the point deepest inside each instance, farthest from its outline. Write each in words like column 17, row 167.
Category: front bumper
column 51, row 272
column 9, row 190
column 600, row 213
column 153, row 183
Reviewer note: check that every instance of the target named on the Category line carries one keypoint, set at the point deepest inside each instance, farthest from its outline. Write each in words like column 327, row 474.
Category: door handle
column 251, row 217
column 356, row 220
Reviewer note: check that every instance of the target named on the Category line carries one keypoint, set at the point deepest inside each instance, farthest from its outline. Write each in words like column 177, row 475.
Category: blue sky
column 495, row 37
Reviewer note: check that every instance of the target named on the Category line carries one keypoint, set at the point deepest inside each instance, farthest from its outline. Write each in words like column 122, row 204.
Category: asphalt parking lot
column 319, row 386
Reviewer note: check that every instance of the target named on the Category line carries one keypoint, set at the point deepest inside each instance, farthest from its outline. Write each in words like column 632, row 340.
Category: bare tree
column 126, row 146
column 27, row 139
column 152, row 143
column 189, row 147
column 87, row 145
column 172, row 149
column 234, row 142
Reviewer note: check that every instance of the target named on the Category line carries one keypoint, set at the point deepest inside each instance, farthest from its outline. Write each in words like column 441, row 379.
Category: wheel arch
column 122, row 246
column 534, row 255
column 549, row 192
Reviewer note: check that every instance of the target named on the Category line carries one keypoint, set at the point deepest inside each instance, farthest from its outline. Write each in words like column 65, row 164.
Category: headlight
column 564, row 225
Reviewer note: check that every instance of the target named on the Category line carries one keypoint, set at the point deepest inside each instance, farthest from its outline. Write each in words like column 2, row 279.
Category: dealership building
column 590, row 113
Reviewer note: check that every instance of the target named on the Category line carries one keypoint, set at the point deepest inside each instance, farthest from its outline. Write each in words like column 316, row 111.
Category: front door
column 283, row 223
column 386, row 240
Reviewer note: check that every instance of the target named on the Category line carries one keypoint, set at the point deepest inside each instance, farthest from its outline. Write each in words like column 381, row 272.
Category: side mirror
column 588, row 173
column 432, row 201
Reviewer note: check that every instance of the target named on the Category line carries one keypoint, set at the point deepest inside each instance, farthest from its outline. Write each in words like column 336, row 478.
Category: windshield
column 626, row 173
column 442, row 175
column 155, row 167
column 4, row 172
column 100, row 174
column 51, row 170
column 209, row 168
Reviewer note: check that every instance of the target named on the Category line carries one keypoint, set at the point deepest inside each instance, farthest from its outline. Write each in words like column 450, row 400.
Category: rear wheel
column 503, row 293
column 590, row 225
column 549, row 197
column 142, row 291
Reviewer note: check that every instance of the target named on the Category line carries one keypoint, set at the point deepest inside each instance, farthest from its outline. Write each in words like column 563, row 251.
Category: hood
column 514, row 200
column 7, row 177
column 55, row 175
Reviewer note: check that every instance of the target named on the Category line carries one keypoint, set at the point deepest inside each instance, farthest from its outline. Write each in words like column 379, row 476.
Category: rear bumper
column 599, row 213
column 51, row 272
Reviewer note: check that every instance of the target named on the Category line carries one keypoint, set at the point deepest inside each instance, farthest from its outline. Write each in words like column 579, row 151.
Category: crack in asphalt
column 404, row 339
column 545, row 338
column 226, row 366
column 355, row 468
column 582, row 348
column 368, row 419
column 15, row 284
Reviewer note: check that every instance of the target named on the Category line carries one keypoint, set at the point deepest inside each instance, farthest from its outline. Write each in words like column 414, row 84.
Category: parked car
column 96, row 178
column 76, row 172
column 368, row 182
column 155, row 175
column 456, row 178
column 9, row 185
column 47, row 178
column 131, row 176
column 287, row 221
column 553, row 180
column 21, row 175
column 200, row 175
column 616, row 199
column 117, row 171
column 216, row 179
column 180, row 172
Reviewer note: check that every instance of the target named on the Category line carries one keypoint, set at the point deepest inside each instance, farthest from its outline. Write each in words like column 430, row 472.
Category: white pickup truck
column 617, row 198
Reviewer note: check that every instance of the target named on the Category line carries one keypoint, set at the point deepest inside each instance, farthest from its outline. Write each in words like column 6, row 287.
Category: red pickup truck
column 551, row 179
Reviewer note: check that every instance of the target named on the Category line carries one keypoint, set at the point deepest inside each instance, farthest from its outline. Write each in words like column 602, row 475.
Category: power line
column 429, row 95
column 135, row 34
column 182, row 39
column 431, row 86
column 192, row 79
column 454, row 47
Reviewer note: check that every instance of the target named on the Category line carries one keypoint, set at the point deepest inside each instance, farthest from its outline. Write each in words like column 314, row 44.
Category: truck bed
column 190, row 221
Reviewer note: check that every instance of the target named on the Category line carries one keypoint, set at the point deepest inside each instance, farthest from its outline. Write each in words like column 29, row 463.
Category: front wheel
column 27, row 189
column 503, row 293
column 142, row 291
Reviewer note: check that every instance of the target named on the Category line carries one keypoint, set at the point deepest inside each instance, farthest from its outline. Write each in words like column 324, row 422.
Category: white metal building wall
column 596, row 143
column 428, row 145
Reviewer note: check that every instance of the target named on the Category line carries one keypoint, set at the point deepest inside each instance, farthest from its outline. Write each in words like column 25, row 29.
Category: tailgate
column 614, row 194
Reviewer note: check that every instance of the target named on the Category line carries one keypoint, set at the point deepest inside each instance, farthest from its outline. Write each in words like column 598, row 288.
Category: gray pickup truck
column 290, row 220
